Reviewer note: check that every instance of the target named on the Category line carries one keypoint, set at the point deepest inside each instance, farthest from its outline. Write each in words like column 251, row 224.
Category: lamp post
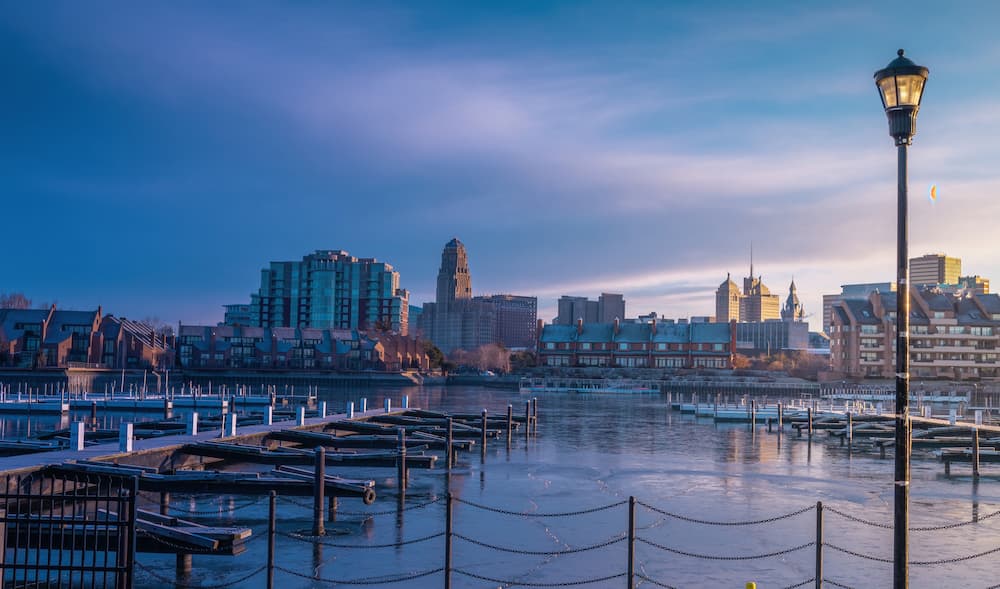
column 901, row 86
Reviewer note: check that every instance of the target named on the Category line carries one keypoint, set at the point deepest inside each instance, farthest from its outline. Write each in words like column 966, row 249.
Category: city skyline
column 575, row 149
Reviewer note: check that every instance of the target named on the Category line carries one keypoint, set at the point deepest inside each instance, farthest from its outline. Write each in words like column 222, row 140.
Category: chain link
column 309, row 505
column 179, row 583
column 721, row 523
column 955, row 559
column 836, row 584
column 808, row 581
column 654, row 581
column 369, row 581
column 528, row 584
column 937, row 528
column 309, row 539
column 541, row 552
column 713, row 557
column 857, row 554
column 540, row 514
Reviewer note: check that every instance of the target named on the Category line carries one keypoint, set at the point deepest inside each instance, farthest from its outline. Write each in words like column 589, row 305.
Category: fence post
column 402, row 461
column 318, row 490
column 510, row 423
column 447, row 540
column 448, row 443
column 271, row 525
column 819, row 545
column 527, row 420
column 630, row 575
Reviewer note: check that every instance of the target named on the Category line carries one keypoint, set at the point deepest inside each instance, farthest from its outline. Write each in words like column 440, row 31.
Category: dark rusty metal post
column 810, row 415
column 272, row 522
column 631, row 543
column 781, row 416
column 319, row 489
column 819, row 545
column 447, row 540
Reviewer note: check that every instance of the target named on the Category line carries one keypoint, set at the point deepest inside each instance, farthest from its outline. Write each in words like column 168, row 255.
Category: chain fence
column 185, row 585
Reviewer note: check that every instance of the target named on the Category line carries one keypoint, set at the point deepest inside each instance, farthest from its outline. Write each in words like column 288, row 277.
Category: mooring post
column 482, row 450
column 164, row 503
column 753, row 415
column 781, row 416
column 850, row 429
column 183, row 565
column 387, row 404
column 810, row 415
column 534, row 412
column 402, row 460
column 168, row 407
column 192, row 424
column 630, row 576
column 405, row 402
column 301, row 417
column 269, row 415
column 93, row 411
column 447, row 539
column 332, row 508
column 364, row 404
column 350, row 410
column 322, row 409
column 819, row 545
column 231, row 425
column 975, row 452
column 527, row 420
column 510, row 423
column 272, row 522
column 76, row 436
column 125, row 437
column 318, row 489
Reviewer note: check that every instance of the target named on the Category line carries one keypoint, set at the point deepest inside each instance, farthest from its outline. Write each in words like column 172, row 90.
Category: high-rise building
column 454, row 283
column 933, row 269
column 331, row 289
column 727, row 301
column 457, row 320
column 754, row 303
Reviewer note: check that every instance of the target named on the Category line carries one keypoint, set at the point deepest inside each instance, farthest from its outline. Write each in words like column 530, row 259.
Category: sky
column 155, row 156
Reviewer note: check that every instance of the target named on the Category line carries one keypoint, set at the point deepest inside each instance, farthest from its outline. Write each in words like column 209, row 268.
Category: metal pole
column 510, row 424
column 447, row 542
column 482, row 450
column 448, row 443
column 631, row 542
column 402, row 461
column 271, row 526
column 819, row 545
column 901, row 519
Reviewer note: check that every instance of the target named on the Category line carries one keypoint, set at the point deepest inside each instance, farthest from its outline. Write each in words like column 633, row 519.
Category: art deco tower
column 454, row 282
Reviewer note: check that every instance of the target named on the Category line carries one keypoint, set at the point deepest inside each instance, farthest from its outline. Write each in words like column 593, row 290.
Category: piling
column 76, row 436
column 387, row 404
column 192, row 424
column 164, row 503
column 781, row 416
column 332, row 506
column 405, row 403
column 183, row 565
column 125, row 437
column 402, row 461
column 527, row 420
column 93, row 411
column 364, row 404
column 269, row 415
column 322, row 409
column 448, row 444
column 819, row 545
column 168, row 407
column 850, row 429
column 230, row 423
column 510, row 424
column 482, row 450
column 319, row 487
column 810, row 415
column 534, row 412
column 301, row 418
column 975, row 452
column 350, row 410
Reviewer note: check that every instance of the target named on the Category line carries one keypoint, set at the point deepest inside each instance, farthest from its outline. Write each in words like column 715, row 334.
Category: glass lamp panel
column 887, row 87
column 910, row 88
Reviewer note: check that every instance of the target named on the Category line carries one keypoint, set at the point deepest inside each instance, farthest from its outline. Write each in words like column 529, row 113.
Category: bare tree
column 14, row 300
column 158, row 326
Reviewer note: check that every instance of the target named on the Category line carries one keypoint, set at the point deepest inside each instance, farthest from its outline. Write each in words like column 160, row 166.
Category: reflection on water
column 595, row 450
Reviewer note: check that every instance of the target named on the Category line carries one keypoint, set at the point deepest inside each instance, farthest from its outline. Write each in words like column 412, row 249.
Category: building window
column 550, row 345
column 623, row 347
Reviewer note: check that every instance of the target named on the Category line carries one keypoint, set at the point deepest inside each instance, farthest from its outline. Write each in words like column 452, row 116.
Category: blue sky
column 155, row 156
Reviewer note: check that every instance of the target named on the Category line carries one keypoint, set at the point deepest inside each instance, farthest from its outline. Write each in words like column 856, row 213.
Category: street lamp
column 901, row 86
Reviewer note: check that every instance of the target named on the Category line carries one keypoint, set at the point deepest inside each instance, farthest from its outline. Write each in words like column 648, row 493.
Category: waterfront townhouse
column 296, row 348
column 666, row 344
column 54, row 338
column 952, row 336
